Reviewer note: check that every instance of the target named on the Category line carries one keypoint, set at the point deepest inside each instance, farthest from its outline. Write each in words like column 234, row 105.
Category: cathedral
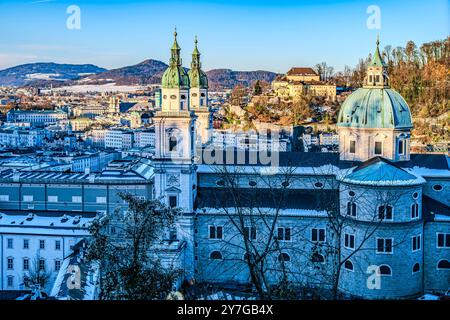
column 373, row 219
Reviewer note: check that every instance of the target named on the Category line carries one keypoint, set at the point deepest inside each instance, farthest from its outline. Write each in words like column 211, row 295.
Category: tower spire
column 175, row 59
column 195, row 64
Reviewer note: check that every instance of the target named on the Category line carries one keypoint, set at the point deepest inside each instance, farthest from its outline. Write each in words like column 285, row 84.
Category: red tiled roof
column 301, row 71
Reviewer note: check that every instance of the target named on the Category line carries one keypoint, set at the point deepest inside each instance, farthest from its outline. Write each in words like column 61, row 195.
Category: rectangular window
column 173, row 201
column 385, row 212
column 416, row 243
column 401, row 147
column 10, row 281
column 52, row 198
column 28, row 198
column 77, row 199
column 317, row 235
column 10, row 263
column 26, row 264
column 41, row 244
column 378, row 147
column 352, row 146
column 415, row 211
column 250, row 233
column 443, row 240
column 215, row 232
column 349, row 241
column 284, row 234
column 351, row 209
column 377, row 78
column 57, row 265
column 384, row 245
column 26, row 243
column 100, row 199
column 4, row 197
column 173, row 235
column 9, row 243
column 41, row 265
column 57, row 244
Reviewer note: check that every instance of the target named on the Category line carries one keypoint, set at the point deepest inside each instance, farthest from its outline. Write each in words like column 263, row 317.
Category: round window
column 285, row 184
column 252, row 183
column 194, row 94
column 318, row 184
column 183, row 96
column 437, row 187
column 415, row 195
column 164, row 97
column 173, row 96
column 351, row 193
column 220, row 183
column 202, row 94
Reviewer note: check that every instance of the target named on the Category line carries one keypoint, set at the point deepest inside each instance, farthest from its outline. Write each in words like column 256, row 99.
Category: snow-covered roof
column 381, row 172
column 268, row 211
column 48, row 223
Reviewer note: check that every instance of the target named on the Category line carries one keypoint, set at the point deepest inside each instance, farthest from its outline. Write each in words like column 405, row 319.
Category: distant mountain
column 150, row 72
column 26, row 74
column 147, row 72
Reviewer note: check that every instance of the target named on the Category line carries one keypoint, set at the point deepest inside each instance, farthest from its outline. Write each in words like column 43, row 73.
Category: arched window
column 173, row 143
column 385, row 212
column 348, row 265
column 385, row 270
column 216, row 255
column 443, row 264
column 416, row 268
column 351, row 209
column 317, row 257
column 284, row 257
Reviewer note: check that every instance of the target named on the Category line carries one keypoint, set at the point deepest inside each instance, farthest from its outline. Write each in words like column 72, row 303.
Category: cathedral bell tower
column 174, row 163
column 175, row 137
column 199, row 96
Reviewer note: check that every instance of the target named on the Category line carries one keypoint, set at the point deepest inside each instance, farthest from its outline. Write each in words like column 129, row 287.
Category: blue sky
column 241, row 35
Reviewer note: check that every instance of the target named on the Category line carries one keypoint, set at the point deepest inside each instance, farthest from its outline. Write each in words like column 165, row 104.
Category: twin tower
column 184, row 92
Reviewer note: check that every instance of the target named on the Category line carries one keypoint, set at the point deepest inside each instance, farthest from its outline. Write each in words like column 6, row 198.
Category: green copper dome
column 375, row 108
column 375, row 105
column 175, row 75
column 197, row 77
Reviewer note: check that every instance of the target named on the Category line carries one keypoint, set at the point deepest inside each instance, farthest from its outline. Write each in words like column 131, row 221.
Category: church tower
column 174, row 162
column 375, row 120
column 199, row 96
